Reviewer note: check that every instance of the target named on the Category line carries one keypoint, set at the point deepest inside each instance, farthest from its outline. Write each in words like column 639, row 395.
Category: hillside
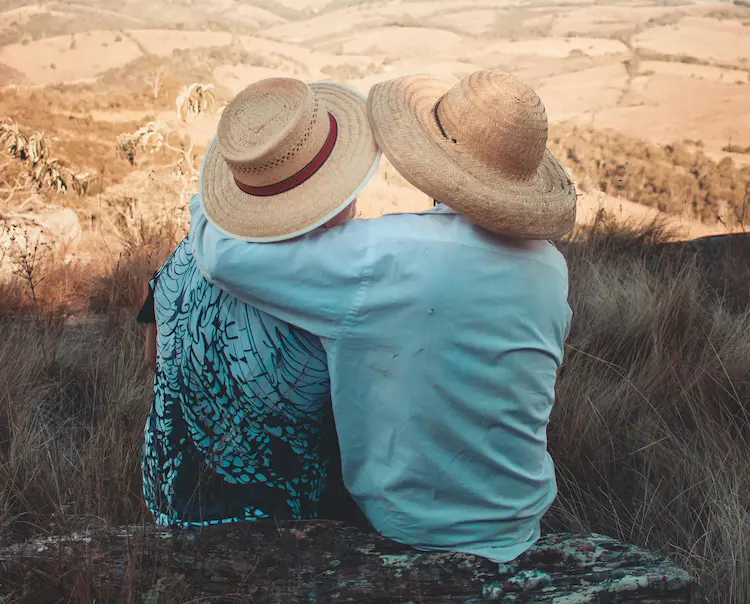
column 639, row 116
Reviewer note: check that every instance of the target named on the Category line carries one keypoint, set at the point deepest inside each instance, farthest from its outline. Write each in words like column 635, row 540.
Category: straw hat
column 478, row 146
column 287, row 157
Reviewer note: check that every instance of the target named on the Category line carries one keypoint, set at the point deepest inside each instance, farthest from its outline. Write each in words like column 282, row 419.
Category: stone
column 329, row 561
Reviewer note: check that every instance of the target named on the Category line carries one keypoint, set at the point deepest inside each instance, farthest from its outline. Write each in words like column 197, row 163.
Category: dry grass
column 651, row 433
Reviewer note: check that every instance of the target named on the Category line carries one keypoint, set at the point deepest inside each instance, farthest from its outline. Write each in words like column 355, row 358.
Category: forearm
column 150, row 344
column 311, row 282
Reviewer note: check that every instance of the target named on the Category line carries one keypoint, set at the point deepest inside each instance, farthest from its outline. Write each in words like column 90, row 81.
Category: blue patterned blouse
column 237, row 428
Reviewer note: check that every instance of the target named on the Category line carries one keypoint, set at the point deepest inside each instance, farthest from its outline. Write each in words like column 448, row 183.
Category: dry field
column 660, row 73
column 649, row 105
column 664, row 73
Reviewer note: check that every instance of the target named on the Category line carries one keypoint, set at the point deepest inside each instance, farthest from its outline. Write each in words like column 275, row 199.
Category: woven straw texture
column 268, row 133
column 478, row 146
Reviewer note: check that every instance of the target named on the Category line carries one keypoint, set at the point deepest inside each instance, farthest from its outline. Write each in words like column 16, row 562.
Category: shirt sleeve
column 315, row 282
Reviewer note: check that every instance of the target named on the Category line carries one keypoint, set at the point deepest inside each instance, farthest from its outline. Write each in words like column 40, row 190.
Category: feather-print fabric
column 237, row 424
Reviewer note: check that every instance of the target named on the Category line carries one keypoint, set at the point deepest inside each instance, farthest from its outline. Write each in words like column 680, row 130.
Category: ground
column 658, row 73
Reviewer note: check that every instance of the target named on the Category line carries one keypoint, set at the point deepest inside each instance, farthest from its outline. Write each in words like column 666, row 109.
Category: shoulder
column 451, row 230
column 176, row 267
column 547, row 254
column 538, row 253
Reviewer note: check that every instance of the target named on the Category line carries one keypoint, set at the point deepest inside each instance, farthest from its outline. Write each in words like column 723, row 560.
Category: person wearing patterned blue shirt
column 240, row 425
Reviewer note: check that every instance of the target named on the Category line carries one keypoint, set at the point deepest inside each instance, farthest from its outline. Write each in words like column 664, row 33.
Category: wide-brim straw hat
column 287, row 157
column 479, row 146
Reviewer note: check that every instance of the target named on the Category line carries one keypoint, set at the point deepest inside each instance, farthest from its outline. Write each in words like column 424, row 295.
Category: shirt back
column 443, row 383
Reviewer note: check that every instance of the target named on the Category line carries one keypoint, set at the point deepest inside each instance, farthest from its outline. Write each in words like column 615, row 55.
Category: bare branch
column 154, row 80
column 12, row 190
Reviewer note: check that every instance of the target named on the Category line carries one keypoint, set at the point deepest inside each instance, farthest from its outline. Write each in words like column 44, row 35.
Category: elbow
column 204, row 254
column 207, row 266
column 209, row 271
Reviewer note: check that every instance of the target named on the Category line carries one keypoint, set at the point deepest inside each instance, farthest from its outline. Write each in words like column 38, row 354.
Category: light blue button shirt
column 443, row 346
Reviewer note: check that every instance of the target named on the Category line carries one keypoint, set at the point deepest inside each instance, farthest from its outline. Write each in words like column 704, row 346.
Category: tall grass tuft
column 651, row 432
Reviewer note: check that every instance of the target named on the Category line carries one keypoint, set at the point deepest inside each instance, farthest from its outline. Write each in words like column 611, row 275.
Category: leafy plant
column 34, row 148
column 21, row 143
column 195, row 99
column 153, row 137
column 148, row 137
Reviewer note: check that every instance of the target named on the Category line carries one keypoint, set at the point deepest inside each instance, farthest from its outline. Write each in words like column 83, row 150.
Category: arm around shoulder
column 312, row 282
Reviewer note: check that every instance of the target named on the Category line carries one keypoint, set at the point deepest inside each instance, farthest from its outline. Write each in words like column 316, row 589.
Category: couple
column 436, row 336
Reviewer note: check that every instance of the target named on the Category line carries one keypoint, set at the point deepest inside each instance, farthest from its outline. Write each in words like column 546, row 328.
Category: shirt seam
column 504, row 253
column 500, row 252
column 359, row 298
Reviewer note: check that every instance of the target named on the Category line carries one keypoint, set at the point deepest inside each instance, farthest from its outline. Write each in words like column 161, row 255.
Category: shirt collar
column 439, row 208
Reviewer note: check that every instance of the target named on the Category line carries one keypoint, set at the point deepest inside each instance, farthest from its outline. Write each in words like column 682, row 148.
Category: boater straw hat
column 287, row 157
column 479, row 147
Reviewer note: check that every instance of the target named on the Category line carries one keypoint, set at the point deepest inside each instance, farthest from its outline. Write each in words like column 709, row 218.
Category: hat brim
column 329, row 191
column 401, row 116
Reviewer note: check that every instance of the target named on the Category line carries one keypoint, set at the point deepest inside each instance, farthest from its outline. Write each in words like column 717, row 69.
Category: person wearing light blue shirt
column 444, row 330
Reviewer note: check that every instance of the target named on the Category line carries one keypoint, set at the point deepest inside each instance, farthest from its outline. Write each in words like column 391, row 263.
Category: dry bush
column 79, row 141
column 146, row 244
column 33, row 148
column 651, row 432
column 195, row 99
column 37, row 277
column 673, row 178
column 40, row 279
column 76, row 391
